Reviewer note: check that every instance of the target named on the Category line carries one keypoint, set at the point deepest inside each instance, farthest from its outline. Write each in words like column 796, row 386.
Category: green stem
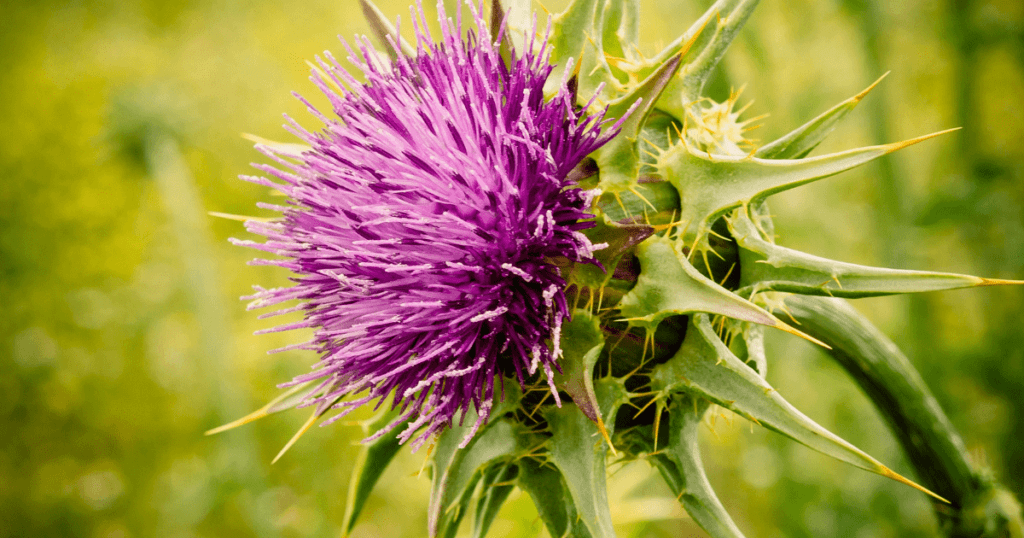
column 979, row 508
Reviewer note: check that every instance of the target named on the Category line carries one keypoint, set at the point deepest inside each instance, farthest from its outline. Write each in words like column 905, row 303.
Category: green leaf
column 747, row 343
column 619, row 160
column 798, row 143
column 765, row 266
column 704, row 366
column 711, row 185
column 371, row 463
column 496, row 485
column 669, row 285
column 704, row 49
column 382, row 28
column 576, row 37
column 620, row 238
column 650, row 202
column 453, row 483
column 677, row 459
column 545, row 485
column 455, row 470
column 693, row 489
column 621, row 28
column 578, row 450
column 581, row 343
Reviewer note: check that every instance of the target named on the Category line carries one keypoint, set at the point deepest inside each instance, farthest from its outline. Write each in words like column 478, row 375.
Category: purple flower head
column 423, row 222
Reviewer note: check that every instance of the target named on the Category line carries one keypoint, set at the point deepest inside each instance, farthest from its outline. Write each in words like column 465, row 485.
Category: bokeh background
column 122, row 339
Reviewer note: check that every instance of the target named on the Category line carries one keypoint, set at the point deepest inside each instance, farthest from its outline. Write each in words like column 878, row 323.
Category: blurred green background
column 122, row 340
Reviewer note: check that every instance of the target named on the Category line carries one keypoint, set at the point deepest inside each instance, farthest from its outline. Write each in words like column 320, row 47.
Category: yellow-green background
column 122, row 340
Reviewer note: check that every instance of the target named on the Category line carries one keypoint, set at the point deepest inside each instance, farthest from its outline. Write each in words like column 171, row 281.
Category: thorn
column 696, row 35
column 305, row 427
column 257, row 414
column 657, row 425
column 895, row 146
column 889, row 473
column 634, row 190
column 999, row 282
column 781, row 325
column 239, row 218
column 857, row 98
column 326, row 79
column 644, row 408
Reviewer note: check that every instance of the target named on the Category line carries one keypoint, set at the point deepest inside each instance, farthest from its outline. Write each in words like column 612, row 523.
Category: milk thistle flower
column 423, row 222
column 435, row 223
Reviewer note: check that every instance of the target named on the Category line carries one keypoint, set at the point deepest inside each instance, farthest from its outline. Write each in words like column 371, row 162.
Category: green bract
column 676, row 323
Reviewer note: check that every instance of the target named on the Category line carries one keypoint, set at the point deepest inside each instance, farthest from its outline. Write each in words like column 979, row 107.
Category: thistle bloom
column 423, row 221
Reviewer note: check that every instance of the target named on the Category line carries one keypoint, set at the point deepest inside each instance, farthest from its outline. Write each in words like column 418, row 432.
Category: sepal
column 578, row 450
column 576, row 37
column 385, row 32
column 669, row 285
column 619, row 160
column 371, row 463
column 456, row 471
column 705, row 367
column 709, row 45
column 693, row 489
column 582, row 342
column 711, row 185
column 802, row 140
column 765, row 266
column 546, row 486
column 496, row 485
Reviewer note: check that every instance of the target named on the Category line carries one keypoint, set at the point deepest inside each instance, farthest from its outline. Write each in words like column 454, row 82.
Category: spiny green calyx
column 691, row 275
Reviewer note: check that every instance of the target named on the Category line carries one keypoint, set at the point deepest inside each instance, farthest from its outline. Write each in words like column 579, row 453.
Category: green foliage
column 112, row 273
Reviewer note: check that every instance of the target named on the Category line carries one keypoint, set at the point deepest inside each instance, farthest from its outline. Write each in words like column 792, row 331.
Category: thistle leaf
column 455, row 470
column 371, row 463
column 765, row 266
column 669, row 285
column 545, row 485
column 704, row 366
column 620, row 238
column 711, row 185
column 708, row 47
column 382, row 29
column 692, row 488
column 576, row 36
column 748, row 345
column 579, row 452
column 582, row 342
column 454, row 483
column 496, row 485
column 802, row 140
column 619, row 160
column 652, row 202
column 621, row 28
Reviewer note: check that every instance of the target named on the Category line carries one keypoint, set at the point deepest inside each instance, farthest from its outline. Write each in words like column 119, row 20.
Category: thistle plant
column 534, row 249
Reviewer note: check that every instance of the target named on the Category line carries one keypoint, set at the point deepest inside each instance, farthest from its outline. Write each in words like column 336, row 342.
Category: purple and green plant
column 534, row 248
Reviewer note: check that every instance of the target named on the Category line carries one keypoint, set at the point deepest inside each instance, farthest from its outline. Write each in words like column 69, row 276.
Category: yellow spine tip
column 305, row 427
column 900, row 145
column 1000, row 282
column 864, row 93
column 889, row 473
column 787, row 328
